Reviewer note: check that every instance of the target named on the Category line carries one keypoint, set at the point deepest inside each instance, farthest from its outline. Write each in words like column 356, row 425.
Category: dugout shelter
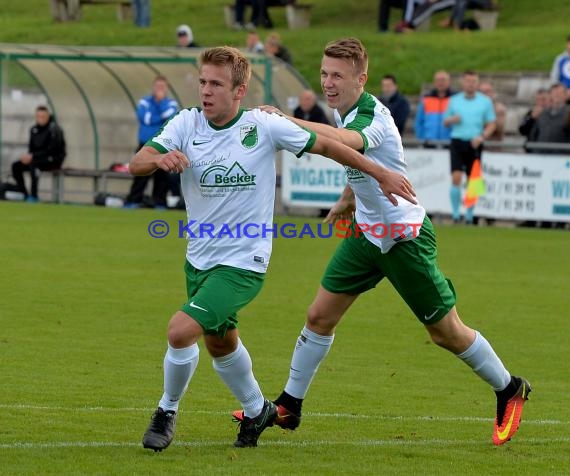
column 93, row 92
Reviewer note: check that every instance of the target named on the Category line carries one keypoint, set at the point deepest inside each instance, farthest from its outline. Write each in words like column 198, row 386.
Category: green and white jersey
column 383, row 145
column 229, row 187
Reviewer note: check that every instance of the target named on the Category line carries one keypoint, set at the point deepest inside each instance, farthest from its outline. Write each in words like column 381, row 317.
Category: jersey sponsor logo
column 354, row 175
column 220, row 176
column 248, row 135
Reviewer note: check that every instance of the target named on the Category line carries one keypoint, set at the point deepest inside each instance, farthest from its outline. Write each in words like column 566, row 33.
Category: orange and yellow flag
column 475, row 185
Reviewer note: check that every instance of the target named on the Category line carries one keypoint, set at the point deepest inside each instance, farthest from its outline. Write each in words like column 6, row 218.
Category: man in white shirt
column 226, row 158
column 397, row 243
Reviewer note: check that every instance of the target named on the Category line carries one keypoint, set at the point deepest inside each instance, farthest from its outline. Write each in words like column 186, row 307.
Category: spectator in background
column 472, row 119
column 431, row 108
column 527, row 126
column 457, row 19
column 308, row 108
column 152, row 112
column 274, row 47
column 560, row 72
column 253, row 43
column 414, row 12
column 397, row 104
column 185, row 37
column 424, row 9
column 46, row 151
column 500, row 110
column 259, row 13
column 384, row 12
column 141, row 9
column 553, row 124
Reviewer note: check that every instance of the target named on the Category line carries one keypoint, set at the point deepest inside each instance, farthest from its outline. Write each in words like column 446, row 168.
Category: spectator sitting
column 253, row 44
column 500, row 111
column 457, row 19
column 259, row 13
column 384, row 12
column 431, row 108
column 397, row 104
column 46, row 151
column 527, row 126
column 308, row 108
column 553, row 124
column 274, row 47
column 424, row 9
column 560, row 72
column 185, row 37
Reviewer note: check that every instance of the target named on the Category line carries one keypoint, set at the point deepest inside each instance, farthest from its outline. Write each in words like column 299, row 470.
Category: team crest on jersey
column 354, row 175
column 248, row 135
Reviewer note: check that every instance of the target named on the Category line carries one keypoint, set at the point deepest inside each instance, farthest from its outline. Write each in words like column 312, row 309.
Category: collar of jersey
column 343, row 117
column 227, row 124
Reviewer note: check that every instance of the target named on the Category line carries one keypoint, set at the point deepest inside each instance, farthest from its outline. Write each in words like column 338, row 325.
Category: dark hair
column 470, row 72
column 390, row 77
column 42, row 108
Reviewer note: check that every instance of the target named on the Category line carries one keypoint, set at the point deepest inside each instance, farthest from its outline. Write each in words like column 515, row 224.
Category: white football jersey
column 229, row 188
column 383, row 145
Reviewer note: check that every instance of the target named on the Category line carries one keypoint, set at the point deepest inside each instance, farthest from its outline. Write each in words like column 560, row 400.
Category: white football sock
column 236, row 371
column 310, row 350
column 179, row 366
column 481, row 357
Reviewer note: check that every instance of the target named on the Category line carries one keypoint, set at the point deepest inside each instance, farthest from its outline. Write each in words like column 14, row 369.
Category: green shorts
column 217, row 294
column 411, row 267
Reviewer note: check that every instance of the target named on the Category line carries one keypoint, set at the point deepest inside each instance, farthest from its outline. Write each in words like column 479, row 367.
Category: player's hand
column 455, row 119
column 393, row 183
column 341, row 210
column 174, row 162
column 271, row 110
column 477, row 141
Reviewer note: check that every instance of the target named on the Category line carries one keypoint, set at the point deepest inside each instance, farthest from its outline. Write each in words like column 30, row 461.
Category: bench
column 298, row 15
column 100, row 179
column 69, row 10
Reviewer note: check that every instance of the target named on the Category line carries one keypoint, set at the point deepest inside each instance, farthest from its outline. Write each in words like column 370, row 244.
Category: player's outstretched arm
column 148, row 159
column 391, row 183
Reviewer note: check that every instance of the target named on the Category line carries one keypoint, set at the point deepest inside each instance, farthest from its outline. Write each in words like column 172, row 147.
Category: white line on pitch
column 309, row 414
column 291, row 444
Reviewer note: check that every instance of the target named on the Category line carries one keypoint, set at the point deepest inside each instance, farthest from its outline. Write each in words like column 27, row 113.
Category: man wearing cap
column 185, row 37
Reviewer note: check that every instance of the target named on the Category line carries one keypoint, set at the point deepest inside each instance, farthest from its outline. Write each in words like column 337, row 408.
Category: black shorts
column 463, row 155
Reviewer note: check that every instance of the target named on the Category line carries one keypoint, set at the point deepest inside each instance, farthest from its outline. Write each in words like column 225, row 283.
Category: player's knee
column 181, row 332
column 318, row 320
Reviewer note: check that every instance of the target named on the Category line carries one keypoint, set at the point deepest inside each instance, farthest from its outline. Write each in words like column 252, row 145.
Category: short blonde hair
column 228, row 56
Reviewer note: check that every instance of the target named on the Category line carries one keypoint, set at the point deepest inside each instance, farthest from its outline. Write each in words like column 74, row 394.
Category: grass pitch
column 86, row 296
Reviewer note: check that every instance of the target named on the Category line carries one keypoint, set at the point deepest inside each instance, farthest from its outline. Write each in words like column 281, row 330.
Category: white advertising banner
column 311, row 180
column 519, row 186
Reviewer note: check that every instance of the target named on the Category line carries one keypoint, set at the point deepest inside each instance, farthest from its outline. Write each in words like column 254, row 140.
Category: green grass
column 86, row 296
column 530, row 34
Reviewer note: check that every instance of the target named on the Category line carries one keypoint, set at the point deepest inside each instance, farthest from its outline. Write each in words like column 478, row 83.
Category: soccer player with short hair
column 226, row 158
column 362, row 260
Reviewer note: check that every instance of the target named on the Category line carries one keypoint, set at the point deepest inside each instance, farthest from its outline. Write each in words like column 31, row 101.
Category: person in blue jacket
column 431, row 108
column 152, row 112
